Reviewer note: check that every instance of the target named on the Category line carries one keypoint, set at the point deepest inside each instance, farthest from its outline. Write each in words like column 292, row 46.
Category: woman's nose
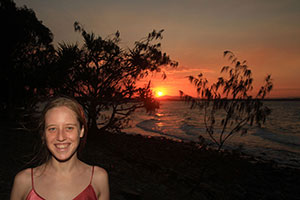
column 61, row 135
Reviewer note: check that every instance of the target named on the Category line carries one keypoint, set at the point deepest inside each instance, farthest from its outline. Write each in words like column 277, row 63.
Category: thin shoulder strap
column 92, row 175
column 32, row 178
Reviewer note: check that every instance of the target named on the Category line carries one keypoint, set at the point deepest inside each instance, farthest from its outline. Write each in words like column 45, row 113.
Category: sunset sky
column 266, row 33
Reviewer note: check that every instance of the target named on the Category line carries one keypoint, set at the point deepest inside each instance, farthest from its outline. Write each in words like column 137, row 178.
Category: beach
column 143, row 167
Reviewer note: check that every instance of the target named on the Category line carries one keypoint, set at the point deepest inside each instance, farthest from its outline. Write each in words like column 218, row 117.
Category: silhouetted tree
column 228, row 107
column 26, row 50
column 104, row 76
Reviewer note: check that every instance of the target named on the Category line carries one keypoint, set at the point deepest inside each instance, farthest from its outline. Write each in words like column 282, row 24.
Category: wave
column 289, row 140
column 151, row 125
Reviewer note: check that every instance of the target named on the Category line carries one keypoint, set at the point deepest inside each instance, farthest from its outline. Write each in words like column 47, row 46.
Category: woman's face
column 62, row 132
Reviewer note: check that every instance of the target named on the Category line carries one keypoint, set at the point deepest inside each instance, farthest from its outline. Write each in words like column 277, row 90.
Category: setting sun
column 159, row 92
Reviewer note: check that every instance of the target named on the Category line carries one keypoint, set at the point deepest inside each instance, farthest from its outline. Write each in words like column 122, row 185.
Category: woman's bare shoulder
column 22, row 184
column 100, row 180
column 100, row 174
column 23, row 177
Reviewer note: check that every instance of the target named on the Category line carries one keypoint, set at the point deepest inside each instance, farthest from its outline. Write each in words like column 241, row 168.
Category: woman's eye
column 70, row 128
column 51, row 129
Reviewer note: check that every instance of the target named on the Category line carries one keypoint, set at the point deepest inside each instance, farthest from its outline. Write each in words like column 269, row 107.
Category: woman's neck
column 63, row 167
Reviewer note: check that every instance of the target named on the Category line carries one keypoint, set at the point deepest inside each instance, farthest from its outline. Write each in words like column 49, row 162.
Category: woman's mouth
column 62, row 147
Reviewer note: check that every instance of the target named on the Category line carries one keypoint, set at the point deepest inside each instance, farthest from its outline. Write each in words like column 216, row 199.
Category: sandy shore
column 157, row 168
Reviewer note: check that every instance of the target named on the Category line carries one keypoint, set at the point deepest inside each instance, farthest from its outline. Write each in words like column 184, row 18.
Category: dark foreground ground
column 157, row 168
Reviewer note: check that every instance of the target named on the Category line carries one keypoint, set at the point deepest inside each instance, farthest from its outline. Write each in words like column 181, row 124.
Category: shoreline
column 287, row 158
column 277, row 139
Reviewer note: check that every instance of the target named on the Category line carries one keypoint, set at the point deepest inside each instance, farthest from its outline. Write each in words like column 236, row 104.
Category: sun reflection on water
column 160, row 124
column 159, row 114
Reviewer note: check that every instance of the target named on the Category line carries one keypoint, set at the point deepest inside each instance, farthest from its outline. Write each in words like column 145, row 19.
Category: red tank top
column 87, row 194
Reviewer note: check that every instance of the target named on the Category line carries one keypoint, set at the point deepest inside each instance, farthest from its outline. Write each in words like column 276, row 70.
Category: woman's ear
column 81, row 132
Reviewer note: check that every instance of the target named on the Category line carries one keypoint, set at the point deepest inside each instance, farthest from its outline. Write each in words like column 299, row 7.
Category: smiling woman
column 62, row 132
column 61, row 175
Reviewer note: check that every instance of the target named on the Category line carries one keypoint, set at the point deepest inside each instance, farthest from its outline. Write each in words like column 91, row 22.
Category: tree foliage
column 101, row 74
column 104, row 76
column 25, row 52
column 228, row 106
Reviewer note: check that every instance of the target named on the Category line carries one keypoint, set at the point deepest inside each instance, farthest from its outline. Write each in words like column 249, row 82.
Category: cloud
column 192, row 70
column 287, row 89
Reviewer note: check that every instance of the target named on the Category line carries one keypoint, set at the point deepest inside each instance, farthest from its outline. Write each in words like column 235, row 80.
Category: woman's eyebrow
column 71, row 124
column 47, row 125
column 67, row 124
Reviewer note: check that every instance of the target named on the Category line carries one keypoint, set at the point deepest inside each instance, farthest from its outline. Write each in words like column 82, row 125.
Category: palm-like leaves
column 104, row 76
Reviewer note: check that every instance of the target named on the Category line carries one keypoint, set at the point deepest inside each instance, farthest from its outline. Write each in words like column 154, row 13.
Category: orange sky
column 263, row 32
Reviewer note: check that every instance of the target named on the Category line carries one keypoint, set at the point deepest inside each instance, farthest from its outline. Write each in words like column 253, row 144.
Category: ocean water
column 277, row 140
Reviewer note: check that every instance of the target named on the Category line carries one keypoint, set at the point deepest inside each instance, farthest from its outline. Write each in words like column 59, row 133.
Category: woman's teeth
column 61, row 146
